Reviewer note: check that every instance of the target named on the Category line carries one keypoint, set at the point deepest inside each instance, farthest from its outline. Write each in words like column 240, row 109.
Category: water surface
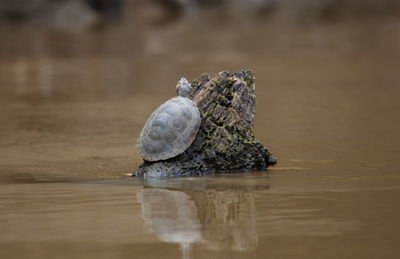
column 73, row 103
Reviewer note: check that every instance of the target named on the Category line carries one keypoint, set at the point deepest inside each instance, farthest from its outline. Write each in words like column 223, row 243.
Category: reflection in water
column 228, row 219
column 172, row 216
column 211, row 218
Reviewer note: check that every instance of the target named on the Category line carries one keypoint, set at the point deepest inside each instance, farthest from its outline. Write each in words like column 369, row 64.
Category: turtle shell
column 170, row 129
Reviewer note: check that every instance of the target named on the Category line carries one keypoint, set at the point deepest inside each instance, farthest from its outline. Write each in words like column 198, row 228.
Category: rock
column 225, row 141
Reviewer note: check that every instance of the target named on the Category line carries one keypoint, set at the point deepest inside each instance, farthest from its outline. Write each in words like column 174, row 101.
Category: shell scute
column 155, row 133
column 170, row 130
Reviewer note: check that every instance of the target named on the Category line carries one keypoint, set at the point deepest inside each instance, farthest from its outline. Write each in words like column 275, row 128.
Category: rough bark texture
column 225, row 141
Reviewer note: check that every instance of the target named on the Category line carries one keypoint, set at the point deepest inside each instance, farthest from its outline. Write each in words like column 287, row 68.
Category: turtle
column 171, row 128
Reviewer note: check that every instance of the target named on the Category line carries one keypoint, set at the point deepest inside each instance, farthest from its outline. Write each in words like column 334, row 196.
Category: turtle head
column 183, row 88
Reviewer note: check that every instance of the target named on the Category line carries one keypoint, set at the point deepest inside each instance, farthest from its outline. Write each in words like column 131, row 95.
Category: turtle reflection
column 172, row 216
column 199, row 216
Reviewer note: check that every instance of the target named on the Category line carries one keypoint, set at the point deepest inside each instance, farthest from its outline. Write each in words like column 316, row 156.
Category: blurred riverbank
column 78, row 14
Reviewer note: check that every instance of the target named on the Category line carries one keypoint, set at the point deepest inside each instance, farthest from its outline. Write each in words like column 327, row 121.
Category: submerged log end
column 225, row 141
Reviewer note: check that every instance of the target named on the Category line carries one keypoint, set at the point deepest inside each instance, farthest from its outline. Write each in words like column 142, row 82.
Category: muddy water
column 73, row 102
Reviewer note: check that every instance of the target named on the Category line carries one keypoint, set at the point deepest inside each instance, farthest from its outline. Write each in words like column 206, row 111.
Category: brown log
column 225, row 141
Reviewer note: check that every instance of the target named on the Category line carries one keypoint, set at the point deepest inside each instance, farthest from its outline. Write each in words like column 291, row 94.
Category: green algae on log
column 225, row 141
